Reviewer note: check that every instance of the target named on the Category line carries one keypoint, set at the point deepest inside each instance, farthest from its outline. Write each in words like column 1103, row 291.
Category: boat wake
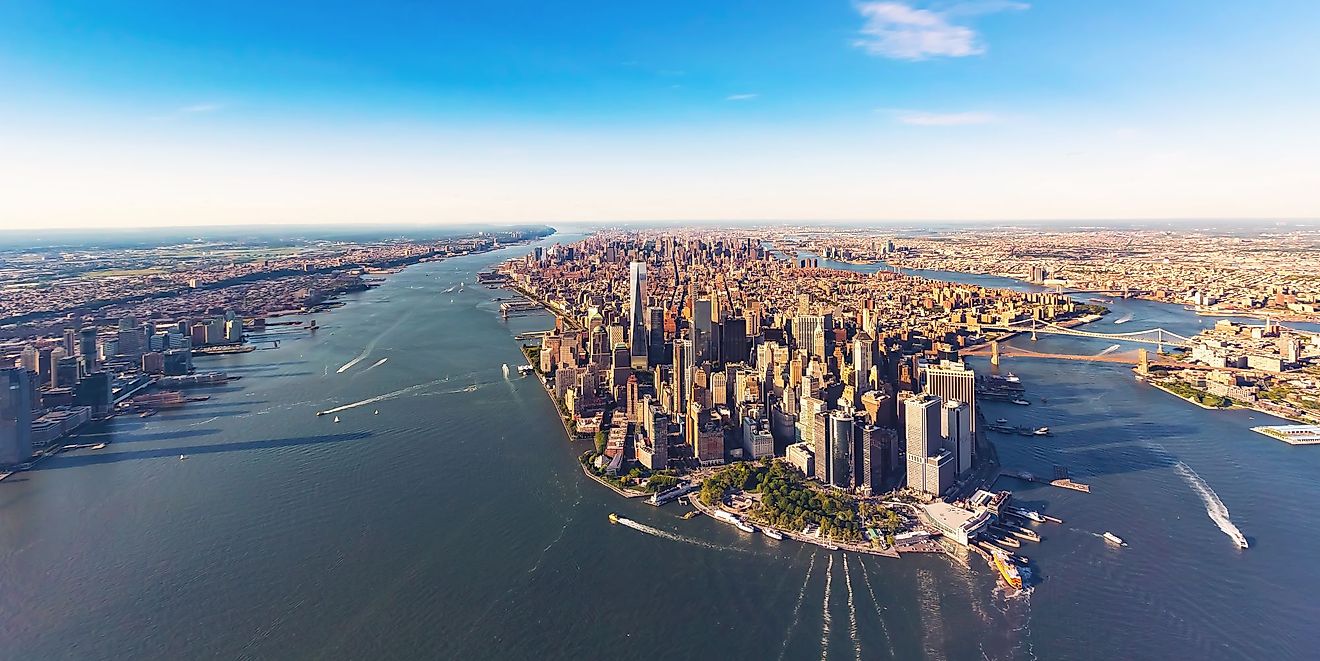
column 1110, row 349
column 852, row 611
column 1126, row 318
column 400, row 393
column 797, row 608
column 879, row 616
column 656, row 532
column 373, row 366
column 825, row 611
column 1214, row 507
column 371, row 346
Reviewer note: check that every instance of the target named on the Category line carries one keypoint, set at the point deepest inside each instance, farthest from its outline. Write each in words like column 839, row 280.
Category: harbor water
column 444, row 516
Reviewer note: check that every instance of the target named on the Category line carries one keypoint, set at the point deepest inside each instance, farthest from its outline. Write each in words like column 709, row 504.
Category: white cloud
column 902, row 31
column 918, row 118
column 741, row 97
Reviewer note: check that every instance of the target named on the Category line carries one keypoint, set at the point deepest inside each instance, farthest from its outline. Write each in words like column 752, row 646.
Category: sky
column 173, row 113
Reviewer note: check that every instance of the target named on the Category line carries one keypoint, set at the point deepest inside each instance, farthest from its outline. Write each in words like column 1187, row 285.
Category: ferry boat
column 1114, row 539
column 1027, row 514
column 1043, row 431
column 773, row 534
column 1021, row 402
column 1008, row 571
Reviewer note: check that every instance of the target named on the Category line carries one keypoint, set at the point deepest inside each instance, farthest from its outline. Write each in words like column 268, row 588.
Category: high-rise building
column 861, row 362
column 702, row 332
column 655, row 330
column 15, row 416
column 956, row 428
column 809, row 335
column 637, row 335
column 70, row 339
column 953, row 381
column 87, row 348
column 839, row 439
column 929, row 466
column 30, row 359
column 683, row 368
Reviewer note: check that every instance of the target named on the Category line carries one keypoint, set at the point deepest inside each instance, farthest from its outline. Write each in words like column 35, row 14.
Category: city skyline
column 165, row 115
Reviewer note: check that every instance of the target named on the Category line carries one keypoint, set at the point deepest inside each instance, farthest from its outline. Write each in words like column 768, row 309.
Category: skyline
column 164, row 115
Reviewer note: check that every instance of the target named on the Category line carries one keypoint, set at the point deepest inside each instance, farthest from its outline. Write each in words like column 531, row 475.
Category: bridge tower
column 994, row 353
column 1033, row 329
column 1159, row 340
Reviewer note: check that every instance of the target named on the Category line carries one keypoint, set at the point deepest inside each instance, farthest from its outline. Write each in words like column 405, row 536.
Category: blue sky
column 166, row 113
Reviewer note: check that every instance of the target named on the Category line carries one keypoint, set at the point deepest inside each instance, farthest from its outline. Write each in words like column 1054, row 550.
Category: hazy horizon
column 165, row 114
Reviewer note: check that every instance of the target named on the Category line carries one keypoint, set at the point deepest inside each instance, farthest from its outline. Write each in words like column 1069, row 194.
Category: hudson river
column 444, row 516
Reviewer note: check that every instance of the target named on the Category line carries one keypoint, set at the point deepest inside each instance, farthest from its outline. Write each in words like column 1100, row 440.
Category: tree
column 601, row 441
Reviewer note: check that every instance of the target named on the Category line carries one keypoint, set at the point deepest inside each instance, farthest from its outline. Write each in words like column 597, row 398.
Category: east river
column 444, row 516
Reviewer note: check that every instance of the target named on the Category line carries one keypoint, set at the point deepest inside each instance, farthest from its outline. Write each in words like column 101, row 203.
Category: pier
column 1061, row 482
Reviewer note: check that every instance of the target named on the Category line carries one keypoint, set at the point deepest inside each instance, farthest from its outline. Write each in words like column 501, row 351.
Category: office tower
column 655, row 329
column 705, row 434
column 94, row 390
column 809, row 335
column 66, row 373
column 956, row 428
column 620, row 369
column 15, row 416
column 953, row 381
column 929, row 467
column 630, row 388
column 87, row 347
column 653, row 451
column 861, row 362
column 701, row 330
column 733, row 340
column 70, row 335
column 30, row 359
column 52, row 366
column 233, row 330
column 637, row 336
column 757, row 442
column 839, row 438
column 871, row 455
column 682, row 384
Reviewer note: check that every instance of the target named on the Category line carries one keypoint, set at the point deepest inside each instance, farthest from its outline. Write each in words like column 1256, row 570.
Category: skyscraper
column 15, row 416
column 701, row 330
column 683, row 365
column 956, row 428
column 840, row 440
column 861, row 362
column 953, row 381
column 637, row 335
column 929, row 466
column 87, row 347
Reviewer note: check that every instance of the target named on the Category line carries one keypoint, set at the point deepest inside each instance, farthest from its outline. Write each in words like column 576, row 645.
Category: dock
column 1062, row 482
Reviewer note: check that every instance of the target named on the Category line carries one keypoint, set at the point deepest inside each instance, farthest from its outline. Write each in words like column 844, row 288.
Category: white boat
column 831, row 547
column 744, row 527
column 182, row 457
column 1114, row 539
column 1002, row 421
column 1043, row 431
column 376, row 412
column 1021, row 402
column 505, row 367
column 1028, row 514
column 1012, row 378
column 336, row 419
column 773, row 534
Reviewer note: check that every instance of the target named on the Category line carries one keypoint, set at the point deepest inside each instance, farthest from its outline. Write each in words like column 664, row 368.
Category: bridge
column 995, row 351
column 1156, row 336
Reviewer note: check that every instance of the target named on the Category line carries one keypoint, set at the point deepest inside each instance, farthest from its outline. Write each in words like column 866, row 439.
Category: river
column 444, row 516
